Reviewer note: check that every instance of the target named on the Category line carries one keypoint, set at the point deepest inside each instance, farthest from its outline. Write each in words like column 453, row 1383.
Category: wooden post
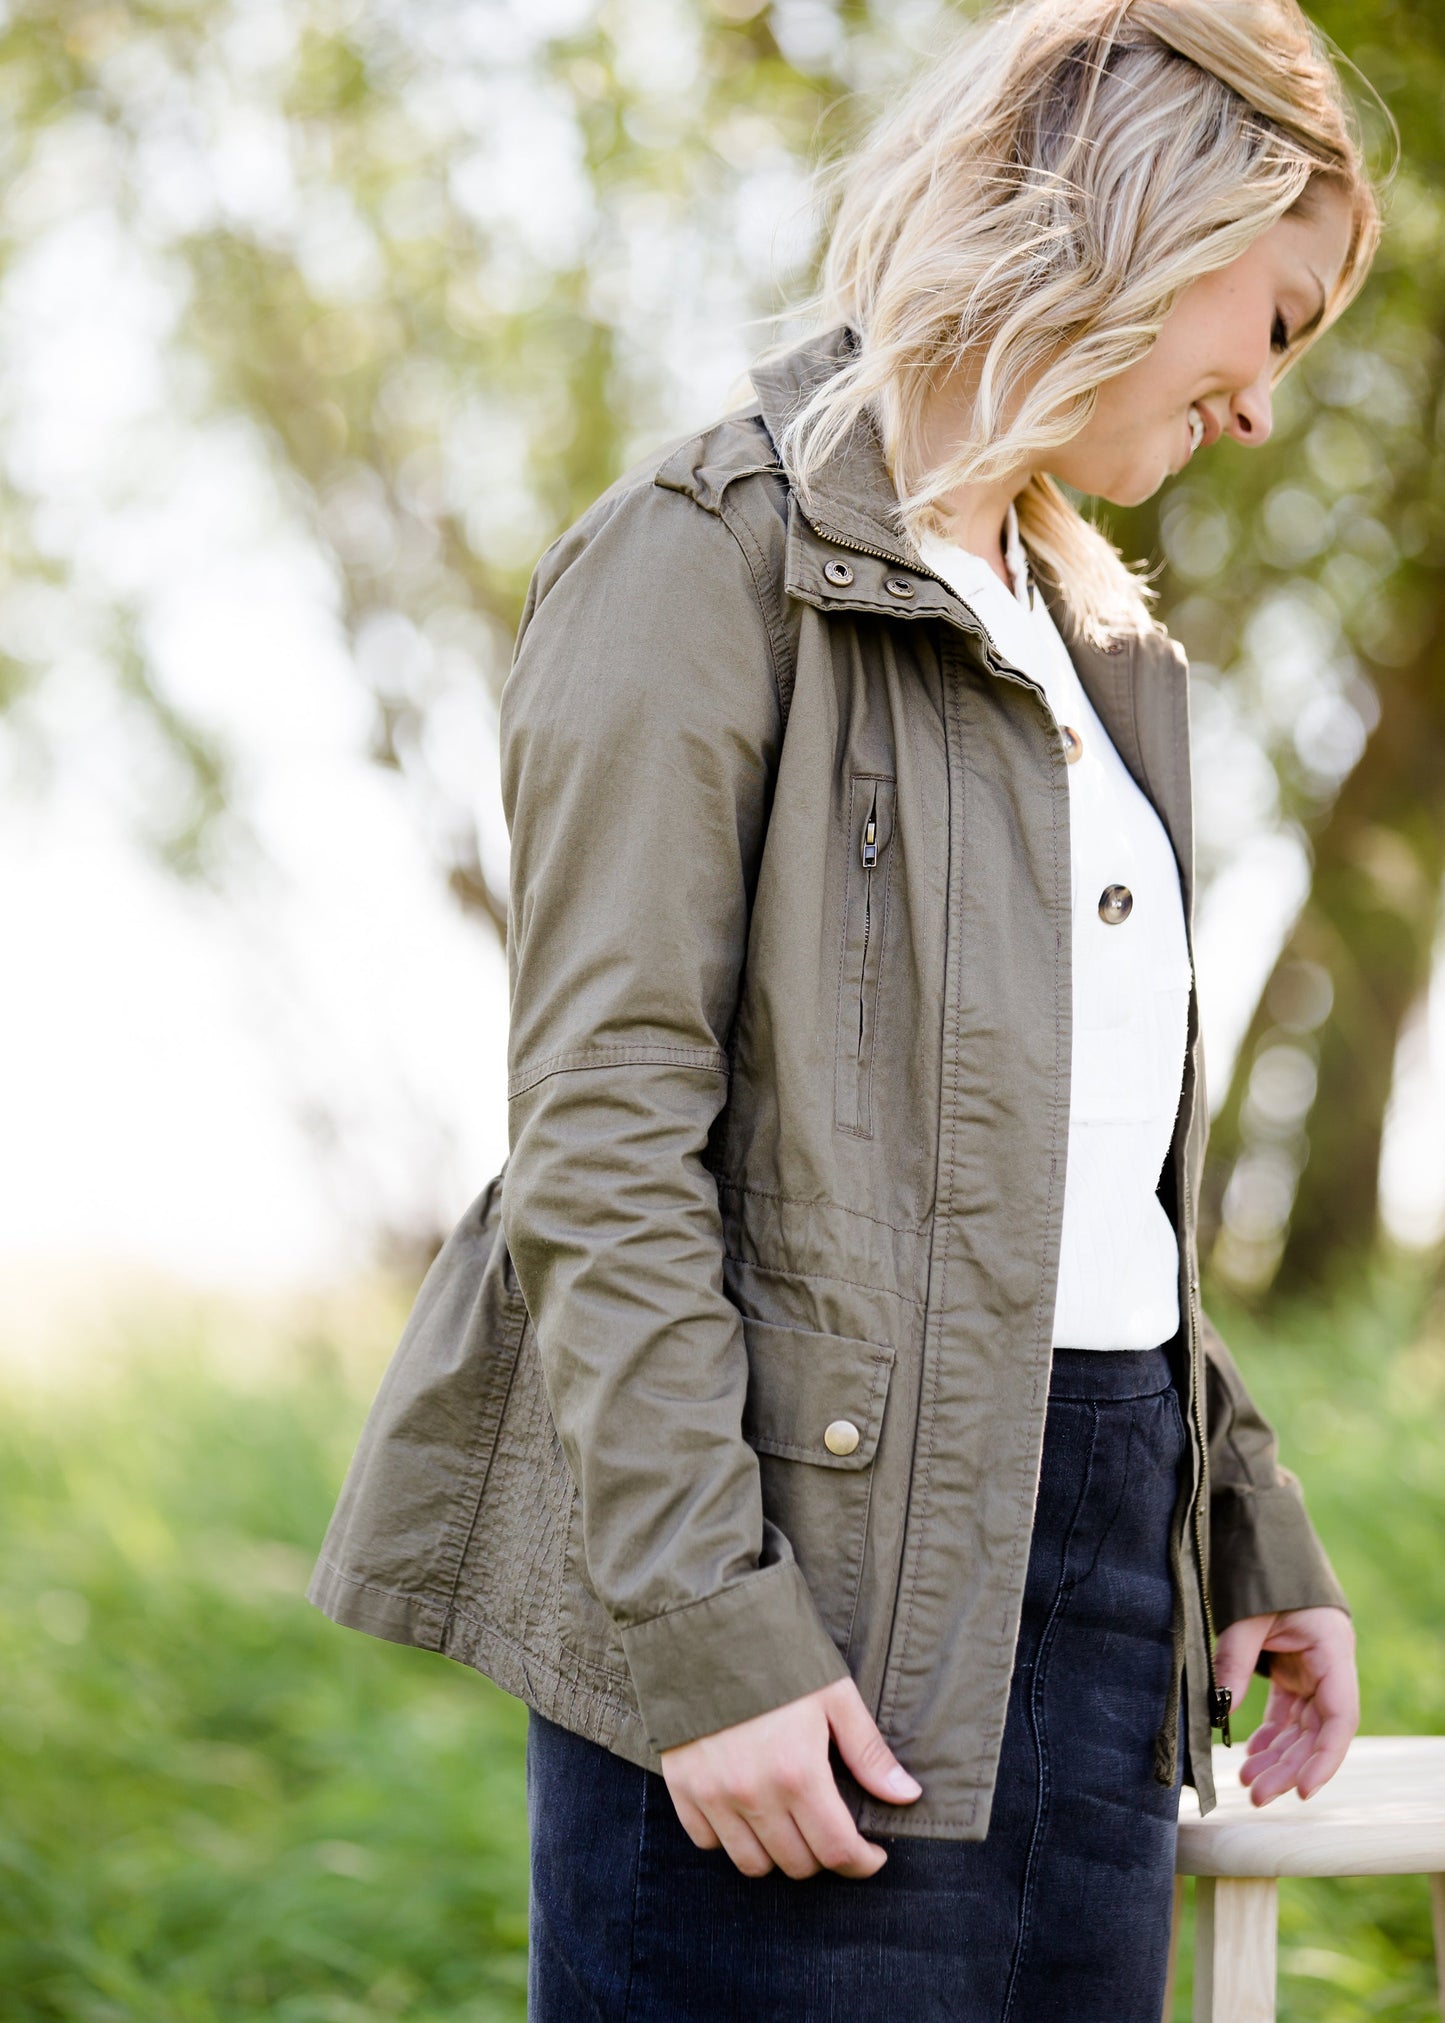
column 1235, row 1926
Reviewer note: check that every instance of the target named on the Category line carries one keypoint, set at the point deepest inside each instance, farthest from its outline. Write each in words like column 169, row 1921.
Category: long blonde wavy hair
column 1034, row 207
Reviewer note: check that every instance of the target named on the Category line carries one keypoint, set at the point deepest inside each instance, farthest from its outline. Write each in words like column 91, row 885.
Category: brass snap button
column 841, row 1437
column 1116, row 903
column 899, row 586
column 1073, row 743
column 839, row 573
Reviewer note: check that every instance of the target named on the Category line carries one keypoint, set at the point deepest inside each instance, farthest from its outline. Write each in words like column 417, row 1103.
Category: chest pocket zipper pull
column 871, row 849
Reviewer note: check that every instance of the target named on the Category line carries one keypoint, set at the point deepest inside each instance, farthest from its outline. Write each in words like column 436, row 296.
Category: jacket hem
column 565, row 1697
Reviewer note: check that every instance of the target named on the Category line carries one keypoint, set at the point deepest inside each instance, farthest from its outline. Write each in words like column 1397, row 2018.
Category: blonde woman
column 815, row 1422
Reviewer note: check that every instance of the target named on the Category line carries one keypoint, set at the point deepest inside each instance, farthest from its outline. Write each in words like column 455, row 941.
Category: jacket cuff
column 740, row 1652
column 1264, row 1555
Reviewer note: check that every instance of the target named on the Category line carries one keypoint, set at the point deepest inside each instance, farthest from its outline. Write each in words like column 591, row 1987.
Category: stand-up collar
column 1137, row 683
column 852, row 499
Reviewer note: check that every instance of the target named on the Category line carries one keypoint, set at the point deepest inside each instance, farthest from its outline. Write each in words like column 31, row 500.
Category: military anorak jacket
column 788, row 1126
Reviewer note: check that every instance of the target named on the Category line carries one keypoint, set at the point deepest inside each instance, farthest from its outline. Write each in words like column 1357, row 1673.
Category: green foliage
column 218, row 1806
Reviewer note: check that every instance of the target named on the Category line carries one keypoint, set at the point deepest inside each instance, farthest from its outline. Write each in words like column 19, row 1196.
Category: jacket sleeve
column 1263, row 1552
column 639, row 727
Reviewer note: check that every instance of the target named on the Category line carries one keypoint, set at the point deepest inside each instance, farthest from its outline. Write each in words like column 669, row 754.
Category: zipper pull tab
column 870, row 842
column 1221, row 1699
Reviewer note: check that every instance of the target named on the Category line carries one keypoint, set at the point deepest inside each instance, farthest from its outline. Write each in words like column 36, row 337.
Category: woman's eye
column 1279, row 336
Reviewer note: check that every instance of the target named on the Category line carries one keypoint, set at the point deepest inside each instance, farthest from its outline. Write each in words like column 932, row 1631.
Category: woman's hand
column 1313, row 1707
column 765, row 1791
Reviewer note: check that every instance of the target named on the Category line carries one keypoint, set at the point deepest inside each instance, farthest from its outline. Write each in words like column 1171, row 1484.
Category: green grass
column 215, row 1805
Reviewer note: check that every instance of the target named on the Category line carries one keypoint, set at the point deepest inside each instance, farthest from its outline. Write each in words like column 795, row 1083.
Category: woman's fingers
column 1331, row 1746
column 764, row 1790
column 1336, row 1708
column 863, row 1749
column 779, row 1834
column 1276, row 1773
column 694, row 1823
column 827, row 1825
column 744, row 1849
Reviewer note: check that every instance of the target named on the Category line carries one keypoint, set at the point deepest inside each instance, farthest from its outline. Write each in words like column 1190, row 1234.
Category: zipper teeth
column 870, row 839
column 1201, row 1485
column 863, row 965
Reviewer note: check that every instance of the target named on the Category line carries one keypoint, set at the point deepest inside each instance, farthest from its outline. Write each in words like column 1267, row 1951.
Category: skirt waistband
column 1110, row 1373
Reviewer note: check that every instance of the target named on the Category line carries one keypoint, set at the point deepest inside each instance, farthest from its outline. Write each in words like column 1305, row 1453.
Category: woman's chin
column 1129, row 487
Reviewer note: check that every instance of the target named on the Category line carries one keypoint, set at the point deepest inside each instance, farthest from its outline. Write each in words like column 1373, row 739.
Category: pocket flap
column 802, row 1385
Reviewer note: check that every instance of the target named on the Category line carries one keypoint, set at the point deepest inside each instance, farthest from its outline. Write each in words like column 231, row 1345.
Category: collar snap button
column 839, row 573
column 899, row 586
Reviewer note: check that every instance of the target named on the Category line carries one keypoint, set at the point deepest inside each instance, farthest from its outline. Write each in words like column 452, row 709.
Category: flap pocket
column 809, row 1394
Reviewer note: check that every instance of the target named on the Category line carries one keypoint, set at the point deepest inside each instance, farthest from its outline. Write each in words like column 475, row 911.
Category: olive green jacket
column 788, row 1125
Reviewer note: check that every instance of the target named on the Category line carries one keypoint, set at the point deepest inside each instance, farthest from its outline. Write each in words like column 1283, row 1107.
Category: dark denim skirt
column 1061, row 1912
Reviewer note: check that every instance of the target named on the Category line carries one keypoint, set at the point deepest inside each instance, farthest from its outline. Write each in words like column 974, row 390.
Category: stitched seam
column 862, row 1558
column 1102, row 1539
column 702, row 1601
column 821, row 1201
column 511, row 1346
column 392, row 1594
column 574, row 1561
column 839, row 1079
column 819, row 1278
column 1043, row 1318
column 1038, row 1725
column 758, row 575
column 928, row 1386
column 708, row 1060
column 636, row 1896
column 570, row 1683
column 619, row 1709
column 878, row 966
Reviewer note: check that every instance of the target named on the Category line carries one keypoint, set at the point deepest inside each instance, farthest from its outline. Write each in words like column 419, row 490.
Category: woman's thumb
column 1236, row 1652
column 865, row 1752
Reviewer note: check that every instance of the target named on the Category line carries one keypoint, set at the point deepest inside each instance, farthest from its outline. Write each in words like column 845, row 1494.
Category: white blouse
column 1119, row 1263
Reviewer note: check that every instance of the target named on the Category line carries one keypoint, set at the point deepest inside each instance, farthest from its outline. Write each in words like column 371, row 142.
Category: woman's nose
column 1251, row 413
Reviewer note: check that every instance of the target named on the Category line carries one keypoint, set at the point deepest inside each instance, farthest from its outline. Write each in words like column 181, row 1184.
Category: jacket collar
column 853, row 500
column 1139, row 688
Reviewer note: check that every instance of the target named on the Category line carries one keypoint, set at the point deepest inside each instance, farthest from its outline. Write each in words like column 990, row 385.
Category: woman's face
column 1214, row 356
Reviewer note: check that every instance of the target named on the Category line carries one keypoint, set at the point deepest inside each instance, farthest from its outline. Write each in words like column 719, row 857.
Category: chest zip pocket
column 860, row 967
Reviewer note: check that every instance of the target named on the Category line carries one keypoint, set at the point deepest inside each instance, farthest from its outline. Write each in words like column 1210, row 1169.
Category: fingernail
column 902, row 1785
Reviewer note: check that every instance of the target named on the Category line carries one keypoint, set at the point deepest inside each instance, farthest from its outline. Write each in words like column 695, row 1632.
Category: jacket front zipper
column 1220, row 1697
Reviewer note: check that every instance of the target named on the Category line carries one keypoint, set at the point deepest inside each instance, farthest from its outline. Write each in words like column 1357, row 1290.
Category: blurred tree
column 456, row 263
column 1333, row 633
